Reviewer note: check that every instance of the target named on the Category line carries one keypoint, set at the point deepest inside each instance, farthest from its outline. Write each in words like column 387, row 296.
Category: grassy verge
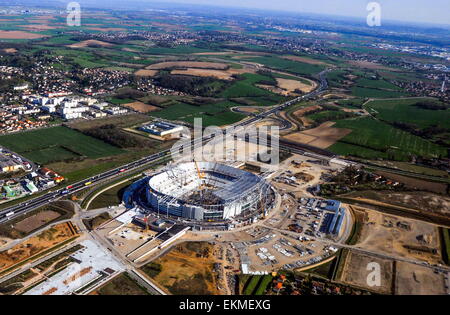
column 122, row 285
column 444, row 234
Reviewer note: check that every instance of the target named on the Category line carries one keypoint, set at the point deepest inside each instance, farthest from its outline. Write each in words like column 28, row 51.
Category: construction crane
column 200, row 174
column 146, row 223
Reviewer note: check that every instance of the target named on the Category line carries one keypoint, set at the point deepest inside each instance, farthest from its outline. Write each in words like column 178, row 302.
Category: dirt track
column 322, row 137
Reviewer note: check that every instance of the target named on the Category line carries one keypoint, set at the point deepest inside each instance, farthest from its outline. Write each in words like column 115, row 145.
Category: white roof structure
column 182, row 179
column 206, row 191
column 91, row 260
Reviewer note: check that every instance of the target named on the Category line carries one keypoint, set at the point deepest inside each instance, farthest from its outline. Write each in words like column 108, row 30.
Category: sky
column 428, row 11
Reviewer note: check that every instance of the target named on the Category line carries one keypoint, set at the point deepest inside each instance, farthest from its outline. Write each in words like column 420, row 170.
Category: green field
column 351, row 103
column 246, row 87
column 110, row 197
column 373, row 139
column 288, row 65
column 257, row 285
column 359, row 91
column 328, row 115
column 376, row 84
column 216, row 114
column 445, row 239
column 404, row 110
column 57, row 144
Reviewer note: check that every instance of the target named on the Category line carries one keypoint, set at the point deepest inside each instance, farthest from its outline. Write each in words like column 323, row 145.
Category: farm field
column 374, row 139
column 188, row 64
column 359, row 91
column 328, row 115
column 323, row 136
column 217, row 114
column 418, row 280
column 400, row 237
column 192, row 262
column 354, row 272
column 56, row 144
column 19, row 35
column 296, row 67
column 140, row 107
column 405, row 110
column 376, row 84
column 36, row 245
column 246, row 87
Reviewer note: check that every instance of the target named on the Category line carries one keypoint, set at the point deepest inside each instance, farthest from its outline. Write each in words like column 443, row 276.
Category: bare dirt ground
column 89, row 42
column 421, row 201
column 418, row 280
column 32, row 223
column 322, row 137
column 10, row 50
column 146, row 73
column 291, row 85
column 34, row 245
column 288, row 87
column 141, row 107
column 248, row 109
column 267, row 122
column 305, row 60
column 213, row 53
column 304, row 110
column 336, row 95
column 192, row 263
column 416, row 183
column 399, row 236
column 273, row 89
column 219, row 74
column 188, row 64
column 355, row 272
column 19, row 35
column 40, row 27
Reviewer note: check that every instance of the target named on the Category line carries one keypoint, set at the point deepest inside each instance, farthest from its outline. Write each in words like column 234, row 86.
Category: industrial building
column 333, row 213
column 163, row 129
column 9, row 164
column 207, row 191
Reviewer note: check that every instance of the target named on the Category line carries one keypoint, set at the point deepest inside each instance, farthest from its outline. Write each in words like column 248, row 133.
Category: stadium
column 207, row 191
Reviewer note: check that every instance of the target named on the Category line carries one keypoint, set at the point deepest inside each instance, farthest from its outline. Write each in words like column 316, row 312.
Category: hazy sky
column 432, row 11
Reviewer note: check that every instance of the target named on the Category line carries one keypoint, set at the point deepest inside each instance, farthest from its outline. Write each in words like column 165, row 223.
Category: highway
column 29, row 205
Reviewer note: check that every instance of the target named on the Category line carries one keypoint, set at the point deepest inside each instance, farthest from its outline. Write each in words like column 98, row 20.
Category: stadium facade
column 207, row 191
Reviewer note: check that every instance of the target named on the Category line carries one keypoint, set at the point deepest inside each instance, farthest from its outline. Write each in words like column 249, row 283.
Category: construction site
column 207, row 191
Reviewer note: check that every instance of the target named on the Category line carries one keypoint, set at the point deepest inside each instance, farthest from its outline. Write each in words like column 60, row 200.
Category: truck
column 9, row 214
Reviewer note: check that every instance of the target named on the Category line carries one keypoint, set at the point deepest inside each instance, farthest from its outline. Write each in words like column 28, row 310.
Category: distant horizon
column 411, row 11
column 400, row 11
